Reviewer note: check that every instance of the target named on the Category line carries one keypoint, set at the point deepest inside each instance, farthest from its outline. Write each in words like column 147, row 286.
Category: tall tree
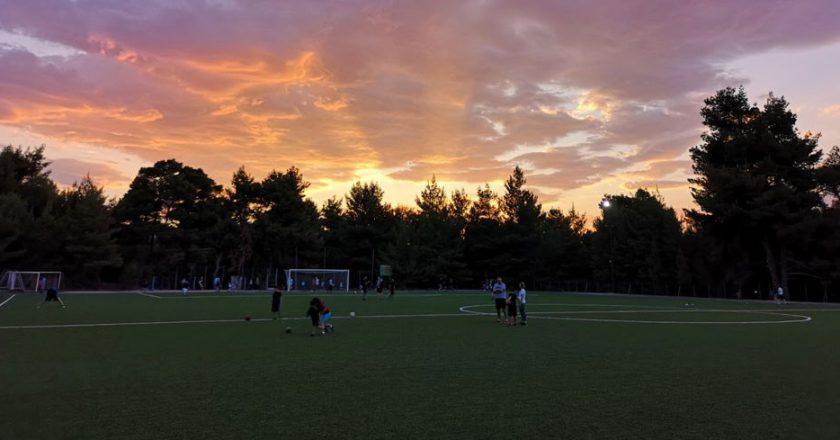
column 369, row 222
column 482, row 245
column 288, row 225
column 635, row 243
column 755, row 176
column 86, row 245
column 29, row 197
column 243, row 197
column 164, row 220
column 520, row 234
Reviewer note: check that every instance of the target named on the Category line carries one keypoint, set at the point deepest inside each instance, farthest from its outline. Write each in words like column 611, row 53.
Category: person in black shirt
column 392, row 285
column 511, row 308
column 276, row 296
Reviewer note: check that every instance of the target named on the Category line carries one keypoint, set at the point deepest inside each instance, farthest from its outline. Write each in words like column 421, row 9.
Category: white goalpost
column 317, row 280
column 30, row 281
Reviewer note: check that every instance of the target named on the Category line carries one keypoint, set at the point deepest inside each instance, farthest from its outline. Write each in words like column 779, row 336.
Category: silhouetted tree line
column 767, row 216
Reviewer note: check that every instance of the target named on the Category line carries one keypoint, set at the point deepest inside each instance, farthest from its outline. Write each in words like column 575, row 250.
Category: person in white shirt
column 521, row 298
column 780, row 295
column 499, row 295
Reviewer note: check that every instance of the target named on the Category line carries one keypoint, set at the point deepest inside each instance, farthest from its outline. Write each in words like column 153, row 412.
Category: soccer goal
column 318, row 279
column 30, row 281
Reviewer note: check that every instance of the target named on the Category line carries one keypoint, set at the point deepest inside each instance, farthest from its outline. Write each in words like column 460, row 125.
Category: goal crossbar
column 317, row 279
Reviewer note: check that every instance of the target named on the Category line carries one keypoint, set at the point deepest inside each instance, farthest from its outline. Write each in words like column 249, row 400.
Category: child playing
column 313, row 314
column 320, row 315
column 511, row 309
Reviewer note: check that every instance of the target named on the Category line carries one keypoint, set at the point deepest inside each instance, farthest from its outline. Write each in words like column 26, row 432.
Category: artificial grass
column 414, row 377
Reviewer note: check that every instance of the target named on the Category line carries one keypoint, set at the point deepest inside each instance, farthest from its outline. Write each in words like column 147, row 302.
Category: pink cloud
column 69, row 171
column 463, row 90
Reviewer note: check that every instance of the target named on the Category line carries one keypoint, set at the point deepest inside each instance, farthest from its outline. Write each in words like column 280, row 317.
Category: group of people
column 318, row 312
column 380, row 286
column 509, row 304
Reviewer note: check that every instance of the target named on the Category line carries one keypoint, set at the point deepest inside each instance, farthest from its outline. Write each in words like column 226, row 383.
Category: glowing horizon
column 588, row 99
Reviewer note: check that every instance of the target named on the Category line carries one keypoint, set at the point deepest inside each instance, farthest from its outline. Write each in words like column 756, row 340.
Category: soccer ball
column 247, row 317
column 352, row 314
column 288, row 329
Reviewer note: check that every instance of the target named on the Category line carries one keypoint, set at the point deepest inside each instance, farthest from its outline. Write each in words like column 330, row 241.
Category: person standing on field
column 52, row 295
column 521, row 298
column 276, row 296
column 499, row 294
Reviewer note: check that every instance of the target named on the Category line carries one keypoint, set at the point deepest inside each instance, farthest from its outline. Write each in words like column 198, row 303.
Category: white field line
column 797, row 318
column 802, row 318
column 7, row 300
column 215, row 321
column 264, row 295
column 149, row 295
column 467, row 312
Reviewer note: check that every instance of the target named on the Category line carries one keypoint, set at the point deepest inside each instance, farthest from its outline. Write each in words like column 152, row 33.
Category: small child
column 314, row 316
column 521, row 298
column 324, row 309
column 320, row 315
column 511, row 308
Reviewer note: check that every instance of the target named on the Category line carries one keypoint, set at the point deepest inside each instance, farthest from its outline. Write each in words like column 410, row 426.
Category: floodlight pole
column 604, row 204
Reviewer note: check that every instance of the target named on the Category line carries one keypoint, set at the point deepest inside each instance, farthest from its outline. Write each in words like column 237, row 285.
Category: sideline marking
column 149, row 295
column 292, row 295
column 216, row 321
column 799, row 318
column 7, row 300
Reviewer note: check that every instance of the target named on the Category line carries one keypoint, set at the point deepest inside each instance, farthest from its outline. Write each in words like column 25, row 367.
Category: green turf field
column 418, row 366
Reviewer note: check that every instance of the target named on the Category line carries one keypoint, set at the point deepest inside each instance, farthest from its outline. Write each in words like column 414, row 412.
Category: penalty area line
column 7, row 300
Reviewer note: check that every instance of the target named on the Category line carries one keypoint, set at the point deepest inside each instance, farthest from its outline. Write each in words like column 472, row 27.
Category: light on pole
column 605, row 204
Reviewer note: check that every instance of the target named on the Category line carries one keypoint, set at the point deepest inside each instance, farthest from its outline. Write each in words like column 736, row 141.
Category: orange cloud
column 590, row 99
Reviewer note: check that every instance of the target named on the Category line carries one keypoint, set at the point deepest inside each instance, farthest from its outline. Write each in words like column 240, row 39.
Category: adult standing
column 364, row 286
column 499, row 294
column 392, row 286
column 276, row 296
column 52, row 295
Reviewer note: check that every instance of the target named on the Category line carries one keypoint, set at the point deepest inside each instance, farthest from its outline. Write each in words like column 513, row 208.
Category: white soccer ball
column 352, row 314
column 686, row 304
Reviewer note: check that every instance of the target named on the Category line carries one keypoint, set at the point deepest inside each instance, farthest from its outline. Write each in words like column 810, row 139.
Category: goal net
column 318, row 279
column 30, row 281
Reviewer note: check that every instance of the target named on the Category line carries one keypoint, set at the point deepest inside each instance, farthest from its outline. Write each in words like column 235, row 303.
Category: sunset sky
column 589, row 97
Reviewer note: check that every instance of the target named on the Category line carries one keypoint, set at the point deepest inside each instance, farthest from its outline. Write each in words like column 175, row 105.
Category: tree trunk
column 218, row 265
column 772, row 265
column 783, row 272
